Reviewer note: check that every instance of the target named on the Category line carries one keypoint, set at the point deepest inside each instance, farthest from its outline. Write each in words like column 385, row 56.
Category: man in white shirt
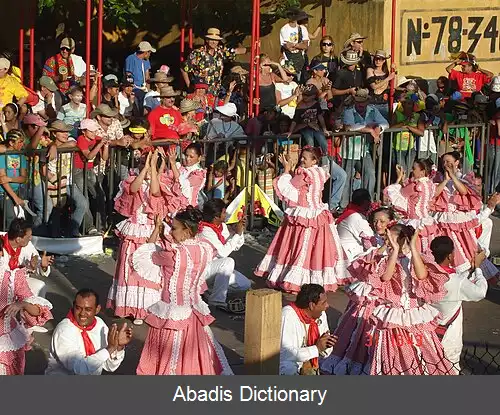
column 460, row 287
column 305, row 336
column 352, row 225
column 294, row 40
column 220, row 272
column 82, row 344
column 49, row 100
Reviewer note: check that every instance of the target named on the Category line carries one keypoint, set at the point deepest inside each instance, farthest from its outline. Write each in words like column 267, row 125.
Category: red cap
column 200, row 85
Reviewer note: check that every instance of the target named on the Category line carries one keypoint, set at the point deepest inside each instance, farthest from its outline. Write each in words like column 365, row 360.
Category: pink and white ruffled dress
column 306, row 249
column 192, row 180
column 413, row 199
column 15, row 339
column 403, row 339
column 456, row 216
column 130, row 295
column 179, row 340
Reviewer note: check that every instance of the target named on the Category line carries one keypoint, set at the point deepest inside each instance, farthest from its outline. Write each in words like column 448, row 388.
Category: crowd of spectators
column 70, row 152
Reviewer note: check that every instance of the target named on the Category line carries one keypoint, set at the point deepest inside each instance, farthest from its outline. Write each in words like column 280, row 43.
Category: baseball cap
column 4, row 63
column 34, row 119
column 111, row 84
column 146, row 47
column 319, row 67
column 67, row 42
column 89, row 124
column 48, row 83
column 110, row 77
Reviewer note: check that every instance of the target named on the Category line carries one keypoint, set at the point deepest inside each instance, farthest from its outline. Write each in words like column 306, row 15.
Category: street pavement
column 481, row 320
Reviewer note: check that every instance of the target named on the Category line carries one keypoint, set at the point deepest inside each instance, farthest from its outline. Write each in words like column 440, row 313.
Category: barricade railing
column 354, row 157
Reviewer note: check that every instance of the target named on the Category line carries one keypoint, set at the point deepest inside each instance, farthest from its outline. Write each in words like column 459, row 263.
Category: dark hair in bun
column 383, row 209
column 404, row 232
column 190, row 218
column 426, row 165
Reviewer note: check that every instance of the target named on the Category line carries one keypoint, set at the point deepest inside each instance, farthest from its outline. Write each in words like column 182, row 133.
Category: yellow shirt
column 10, row 87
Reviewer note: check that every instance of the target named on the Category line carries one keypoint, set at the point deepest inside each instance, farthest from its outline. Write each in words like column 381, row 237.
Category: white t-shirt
column 126, row 106
column 286, row 91
column 40, row 106
column 291, row 34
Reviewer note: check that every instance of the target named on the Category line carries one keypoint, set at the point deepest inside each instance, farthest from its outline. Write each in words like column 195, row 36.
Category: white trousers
column 485, row 238
column 220, row 274
column 452, row 341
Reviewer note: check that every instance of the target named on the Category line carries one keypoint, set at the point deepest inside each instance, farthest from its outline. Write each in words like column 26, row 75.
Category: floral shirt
column 208, row 68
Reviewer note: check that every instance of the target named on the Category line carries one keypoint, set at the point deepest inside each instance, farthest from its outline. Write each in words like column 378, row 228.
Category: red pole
column 257, row 55
column 21, row 43
column 323, row 18
column 190, row 23
column 183, row 28
column 100, row 29
column 393, row 53
column 88, row 24
column 251, row 80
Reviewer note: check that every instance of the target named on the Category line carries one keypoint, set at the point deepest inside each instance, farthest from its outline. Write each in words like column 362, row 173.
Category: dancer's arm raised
column 393, row 259
column 418, row 264
column 137, row 183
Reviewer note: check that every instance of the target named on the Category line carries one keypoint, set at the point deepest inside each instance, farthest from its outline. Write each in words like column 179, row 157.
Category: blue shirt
column 138, row 68
column 372, row 117
column 12, row 164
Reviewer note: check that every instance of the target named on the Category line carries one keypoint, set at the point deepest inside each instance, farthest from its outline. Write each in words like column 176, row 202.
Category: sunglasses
column 66, row 49
column 358, row 41
column 326, row 44
column 379, row 58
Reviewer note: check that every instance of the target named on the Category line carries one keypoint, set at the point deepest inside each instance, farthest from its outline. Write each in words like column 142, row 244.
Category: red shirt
column 83, row 143
column 469, row 82
column 163, row 123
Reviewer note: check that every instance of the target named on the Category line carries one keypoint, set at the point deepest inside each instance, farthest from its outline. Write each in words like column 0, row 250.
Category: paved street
column 481, row 320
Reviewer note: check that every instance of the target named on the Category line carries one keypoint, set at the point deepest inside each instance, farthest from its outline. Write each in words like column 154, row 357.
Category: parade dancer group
column 406, row 268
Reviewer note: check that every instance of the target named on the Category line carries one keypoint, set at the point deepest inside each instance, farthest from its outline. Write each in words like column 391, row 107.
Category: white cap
column 146, row 47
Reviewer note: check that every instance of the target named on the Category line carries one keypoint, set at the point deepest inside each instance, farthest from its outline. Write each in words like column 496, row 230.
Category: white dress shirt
column 350, row 231
column 293, row 352
column 233, row 242
column 67, row 352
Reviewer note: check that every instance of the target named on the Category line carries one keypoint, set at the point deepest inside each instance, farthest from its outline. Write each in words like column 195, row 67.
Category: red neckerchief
column 312, row 333
column 479, row 231
column 349, row 210
column 13, row 253
column 87, row 343
column 448, row 269
column 215, row 228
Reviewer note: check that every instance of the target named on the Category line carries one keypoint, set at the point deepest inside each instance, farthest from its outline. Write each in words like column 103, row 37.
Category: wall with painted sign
column 430, row 31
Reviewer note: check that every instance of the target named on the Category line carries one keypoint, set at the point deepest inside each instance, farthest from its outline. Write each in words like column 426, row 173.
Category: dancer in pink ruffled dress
column 413, row 199
column 403, row 339
column 179, row 340
column 19, row 311
column 306, row 249
column 192, row 176
column 140, row 200
column 350, row 355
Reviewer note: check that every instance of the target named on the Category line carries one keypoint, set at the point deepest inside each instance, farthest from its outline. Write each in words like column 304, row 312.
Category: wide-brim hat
column 229, row 110
column 61, row 126
column 188, row 105
column 379, row 53
column 350, row 57
column 352, row 38
column 402, row 82
column 213, row 34
column 362, row 95
column 168, row 92
column 160, row 77
column 298, row 15
column 105, row 110
column 239, row 70
column 289, row 67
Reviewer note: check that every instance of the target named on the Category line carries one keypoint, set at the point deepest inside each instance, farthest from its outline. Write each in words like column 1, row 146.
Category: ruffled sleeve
column 394, row 193
column 171, row 199
column 126, row 202
column 152, row 261
column 431, row 290
column 191, row 184
column 289, row 188
column 468, row 202
column 23, row 293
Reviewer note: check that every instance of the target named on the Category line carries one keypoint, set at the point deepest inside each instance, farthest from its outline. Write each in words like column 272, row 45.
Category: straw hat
column 350, row 57
column 362, row 95
column 146, row 47
column 381, row 54
column 352, row 38
column 239, row 70
column 104, row 110
column 160, row 77
column 214, row 34
column 402, row 81
column 58, row 125
column 168, row 92
column 188, row 105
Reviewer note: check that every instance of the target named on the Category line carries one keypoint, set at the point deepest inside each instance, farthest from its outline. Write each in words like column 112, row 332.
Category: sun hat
column 34, row 119
column 297, row 15
column 214, row 34
column 168, row 92
column 4, row 63
column 104, row 110
column 362, row 95
column 350, row 57
column 146, row 47
column 239, row 70
column 381, row 54
column 89, row 124
column 160, row 77
column 352, row 37
column 402, row 81
column 48, row 83
column 59, row 125
column 229, row 110
column 67, row 42
column 495, row 84
column 188, row 105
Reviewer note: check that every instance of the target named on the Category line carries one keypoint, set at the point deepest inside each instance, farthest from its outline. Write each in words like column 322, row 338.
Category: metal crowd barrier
column 365, row 163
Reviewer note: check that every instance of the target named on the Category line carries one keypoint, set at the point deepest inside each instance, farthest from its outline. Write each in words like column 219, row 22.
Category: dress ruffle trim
column 134, row 231
column 390, row 317
column 393, row 192
column 170, row 316
column 309, row 218
column 15, row 340
column 142, row 263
